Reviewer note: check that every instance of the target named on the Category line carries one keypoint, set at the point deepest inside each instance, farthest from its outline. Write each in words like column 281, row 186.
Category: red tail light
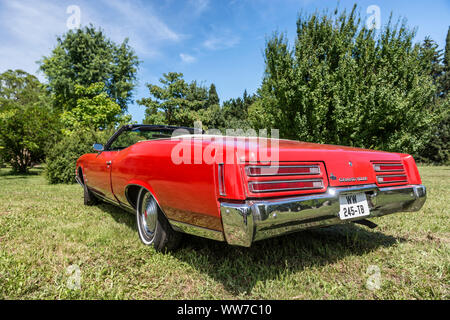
column 388, row 167
column 390, row 173
column 392, row 179
column 285, row 178
column 255, row 171
column 272, row 186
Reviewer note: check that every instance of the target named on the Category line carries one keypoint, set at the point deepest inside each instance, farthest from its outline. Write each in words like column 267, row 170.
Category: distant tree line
column 176, row 102
column 338, row 83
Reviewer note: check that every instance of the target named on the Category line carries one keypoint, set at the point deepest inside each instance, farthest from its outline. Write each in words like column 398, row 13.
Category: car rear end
column 313, row 186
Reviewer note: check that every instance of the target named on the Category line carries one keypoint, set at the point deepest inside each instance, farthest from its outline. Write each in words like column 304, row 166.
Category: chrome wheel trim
column 149, row 214
column 147, row 217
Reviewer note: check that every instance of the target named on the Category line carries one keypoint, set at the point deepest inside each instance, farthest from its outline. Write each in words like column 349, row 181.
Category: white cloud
column 28, row 32
column 220, row 42
column 187, row 58
column 199, row 6
column 28, row 29
column 148, row 34
column 141, row 19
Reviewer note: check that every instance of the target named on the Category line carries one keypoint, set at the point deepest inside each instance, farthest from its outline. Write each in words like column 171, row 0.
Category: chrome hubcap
column 149, row 215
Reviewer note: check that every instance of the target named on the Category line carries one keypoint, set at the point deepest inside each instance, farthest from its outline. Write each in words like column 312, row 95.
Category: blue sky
column 208, row 40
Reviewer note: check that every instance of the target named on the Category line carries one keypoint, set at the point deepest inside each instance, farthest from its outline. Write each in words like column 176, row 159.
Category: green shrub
column 1, row 159
column 61, row 160
column 437, row 147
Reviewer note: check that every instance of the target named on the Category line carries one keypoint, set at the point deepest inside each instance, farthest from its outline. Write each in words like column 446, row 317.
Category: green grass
column 44, row 229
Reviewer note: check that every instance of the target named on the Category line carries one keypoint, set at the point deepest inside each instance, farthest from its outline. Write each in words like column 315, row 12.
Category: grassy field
column 48, row 240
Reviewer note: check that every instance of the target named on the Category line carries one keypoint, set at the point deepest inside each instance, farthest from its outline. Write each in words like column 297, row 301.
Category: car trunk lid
column 344, row 165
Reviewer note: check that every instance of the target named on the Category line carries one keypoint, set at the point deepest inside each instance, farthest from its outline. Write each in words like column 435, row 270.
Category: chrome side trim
column 196, row 230
column 255, row 220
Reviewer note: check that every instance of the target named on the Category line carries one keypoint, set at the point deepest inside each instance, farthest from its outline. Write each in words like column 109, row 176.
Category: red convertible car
column 179, row 181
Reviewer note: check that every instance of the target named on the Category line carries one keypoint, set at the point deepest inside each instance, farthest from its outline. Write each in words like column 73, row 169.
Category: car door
column 99, row 174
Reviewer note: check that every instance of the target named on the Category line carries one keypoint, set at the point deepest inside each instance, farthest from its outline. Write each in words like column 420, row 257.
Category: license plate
column 353, row 206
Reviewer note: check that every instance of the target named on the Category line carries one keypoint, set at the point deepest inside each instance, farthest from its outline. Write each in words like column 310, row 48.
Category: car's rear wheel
column 153, row 227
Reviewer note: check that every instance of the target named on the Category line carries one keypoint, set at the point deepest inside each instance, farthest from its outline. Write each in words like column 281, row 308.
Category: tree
column 236, row 111
column 437, row 146
column 431, row 58
column 176, row 102
column 445, row 82
column 85, row 56
column 344, row 84
column 213, row 97
column 28, row 123
column 93, row 109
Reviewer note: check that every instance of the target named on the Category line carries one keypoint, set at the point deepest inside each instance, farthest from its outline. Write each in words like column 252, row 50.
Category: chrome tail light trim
column 275, row 170
column 319, row 185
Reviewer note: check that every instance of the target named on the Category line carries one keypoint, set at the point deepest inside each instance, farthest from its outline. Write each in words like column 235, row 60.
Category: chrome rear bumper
column 254, row 220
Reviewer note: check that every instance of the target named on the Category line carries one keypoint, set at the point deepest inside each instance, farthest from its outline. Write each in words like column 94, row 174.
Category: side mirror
column 98, row 147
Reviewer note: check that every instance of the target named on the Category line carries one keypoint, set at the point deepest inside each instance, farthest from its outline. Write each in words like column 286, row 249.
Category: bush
column 28, row 123
column 2, row 164
column 436, row 149
column 61, row 160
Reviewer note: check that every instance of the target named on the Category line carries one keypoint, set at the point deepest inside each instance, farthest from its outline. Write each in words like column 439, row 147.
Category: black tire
column 89, row 198
column 153, row 227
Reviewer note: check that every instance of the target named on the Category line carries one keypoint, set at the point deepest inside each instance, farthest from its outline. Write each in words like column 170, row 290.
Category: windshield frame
column 146, row 127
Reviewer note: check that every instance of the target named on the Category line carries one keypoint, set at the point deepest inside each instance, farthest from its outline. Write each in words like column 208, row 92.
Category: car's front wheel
column 89, row 198
column 153, row 227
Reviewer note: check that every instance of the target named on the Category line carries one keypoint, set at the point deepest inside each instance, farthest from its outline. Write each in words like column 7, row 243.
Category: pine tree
column 446, row 77
column 175, row 101
column 213, row 97
column 436, row 148
column 432, row 58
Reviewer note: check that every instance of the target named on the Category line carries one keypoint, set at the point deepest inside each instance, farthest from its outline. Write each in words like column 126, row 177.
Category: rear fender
column 144, row 185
